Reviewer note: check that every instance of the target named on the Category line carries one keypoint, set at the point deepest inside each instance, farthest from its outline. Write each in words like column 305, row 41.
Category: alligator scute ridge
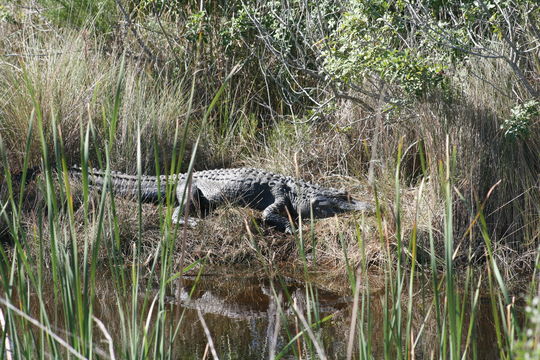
column 271, row 193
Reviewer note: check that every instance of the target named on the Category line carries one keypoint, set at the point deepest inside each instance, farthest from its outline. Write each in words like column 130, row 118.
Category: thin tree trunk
column 379, row 127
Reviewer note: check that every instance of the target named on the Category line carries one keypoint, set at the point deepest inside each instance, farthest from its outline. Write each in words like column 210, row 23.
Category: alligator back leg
column 272, row 216
column 193, row 202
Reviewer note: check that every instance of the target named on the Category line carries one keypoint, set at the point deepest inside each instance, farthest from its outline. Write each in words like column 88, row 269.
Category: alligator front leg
column 271, row 216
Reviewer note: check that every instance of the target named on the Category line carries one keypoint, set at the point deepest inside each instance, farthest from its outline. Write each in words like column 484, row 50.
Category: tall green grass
column 74, row 252
column 80, row 104
column 145, row 327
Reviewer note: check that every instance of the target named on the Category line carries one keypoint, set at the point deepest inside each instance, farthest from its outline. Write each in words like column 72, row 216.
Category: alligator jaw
column 355, row 205
column 327, row 207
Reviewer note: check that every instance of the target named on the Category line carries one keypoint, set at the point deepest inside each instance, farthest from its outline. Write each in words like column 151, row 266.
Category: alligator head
column 327, row 203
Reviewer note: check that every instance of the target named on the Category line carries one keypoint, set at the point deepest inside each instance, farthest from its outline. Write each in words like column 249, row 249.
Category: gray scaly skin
column 273, row 194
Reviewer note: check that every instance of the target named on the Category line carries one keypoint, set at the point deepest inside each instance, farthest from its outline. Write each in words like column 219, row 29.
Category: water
column 242, row 310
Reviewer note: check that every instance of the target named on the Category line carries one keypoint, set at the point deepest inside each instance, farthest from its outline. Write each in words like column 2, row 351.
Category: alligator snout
column 355, row 205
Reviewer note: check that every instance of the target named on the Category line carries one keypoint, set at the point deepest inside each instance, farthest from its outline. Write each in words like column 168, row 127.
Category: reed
column 77, row 93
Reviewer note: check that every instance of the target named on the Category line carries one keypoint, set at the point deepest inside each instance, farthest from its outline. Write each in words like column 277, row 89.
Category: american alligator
column 273, row 194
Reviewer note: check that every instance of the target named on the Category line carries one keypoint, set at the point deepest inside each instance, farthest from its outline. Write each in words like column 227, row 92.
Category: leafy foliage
column 519, row 123
column 371, row 41
column 5, row 14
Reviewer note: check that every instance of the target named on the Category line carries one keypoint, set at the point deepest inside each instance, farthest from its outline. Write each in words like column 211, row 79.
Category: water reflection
column 248, row 316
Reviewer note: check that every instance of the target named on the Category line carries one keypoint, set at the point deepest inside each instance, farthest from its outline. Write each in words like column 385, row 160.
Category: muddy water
column 242, row 310
column 242, row 313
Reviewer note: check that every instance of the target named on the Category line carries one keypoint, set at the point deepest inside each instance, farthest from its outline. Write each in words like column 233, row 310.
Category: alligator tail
column 152, row 188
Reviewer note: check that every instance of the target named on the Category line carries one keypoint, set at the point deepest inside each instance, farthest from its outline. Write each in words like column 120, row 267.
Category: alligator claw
column 179, row 218
column 191, row 222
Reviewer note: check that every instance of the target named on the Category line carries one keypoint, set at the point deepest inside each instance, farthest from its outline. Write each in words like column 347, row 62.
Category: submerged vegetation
column 428, row 109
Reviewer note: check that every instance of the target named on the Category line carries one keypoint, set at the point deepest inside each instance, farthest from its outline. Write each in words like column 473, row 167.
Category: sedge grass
column 146, row 335
column 74, row 282
column 73, row 279
column 79, row 105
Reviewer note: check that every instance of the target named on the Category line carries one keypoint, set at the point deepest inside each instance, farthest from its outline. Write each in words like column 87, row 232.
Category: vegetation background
column 431, row 107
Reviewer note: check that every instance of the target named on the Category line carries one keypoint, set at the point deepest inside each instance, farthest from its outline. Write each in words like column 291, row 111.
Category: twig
column 354, row 316
column 135, row 33
column 7, row 344
column 299, row 315
column 275, row 307
column 208, row 336
column 107, row 335
column 169, row 41
column 39, row 325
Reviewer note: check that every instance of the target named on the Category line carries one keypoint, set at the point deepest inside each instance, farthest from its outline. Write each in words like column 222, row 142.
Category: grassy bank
column 446, row 146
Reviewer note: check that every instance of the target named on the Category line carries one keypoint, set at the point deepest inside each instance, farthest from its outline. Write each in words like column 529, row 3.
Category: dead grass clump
column 472, row 120
column 222, row 238
column 73, row 86
column 346, row 236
